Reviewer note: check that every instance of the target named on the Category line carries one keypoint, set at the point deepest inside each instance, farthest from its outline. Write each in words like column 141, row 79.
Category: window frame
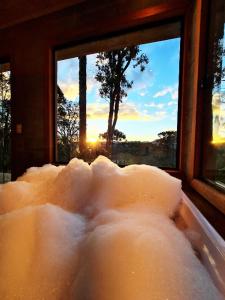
column 211, row 192
column 177, row 171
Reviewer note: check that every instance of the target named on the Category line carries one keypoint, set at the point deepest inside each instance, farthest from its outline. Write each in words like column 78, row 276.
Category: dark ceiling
column 17, row 11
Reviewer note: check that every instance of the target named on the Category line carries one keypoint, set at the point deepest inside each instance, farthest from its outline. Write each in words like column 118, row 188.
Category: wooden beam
column 13, row 12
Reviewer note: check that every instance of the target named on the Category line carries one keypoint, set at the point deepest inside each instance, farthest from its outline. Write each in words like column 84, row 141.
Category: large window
column 5, row 123
column 214, row 149
column 119, row 97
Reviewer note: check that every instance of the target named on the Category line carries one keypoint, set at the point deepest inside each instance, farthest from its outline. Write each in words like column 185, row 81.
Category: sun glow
column 218, row 140
column 92, row 140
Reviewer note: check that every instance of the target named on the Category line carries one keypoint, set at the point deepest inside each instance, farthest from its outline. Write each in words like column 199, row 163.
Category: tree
column 168, row 143
column 167, row 137
column 217, row 65
column 111, row 73
column 67, row 126
column 5, row 120
column 214, row 97
column 118, row 136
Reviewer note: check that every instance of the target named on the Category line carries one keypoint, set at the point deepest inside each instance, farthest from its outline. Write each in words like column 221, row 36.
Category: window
column 119, row 97
column 5, row 123
column 214, row 149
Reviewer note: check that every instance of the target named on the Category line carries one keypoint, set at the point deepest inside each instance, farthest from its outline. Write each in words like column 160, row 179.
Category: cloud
column 160, row 114
column 173, row 91
column 174, row 112
column 70, row 88
column 155, row 105
column 128, row 112
column 162, row 93
column 174, row 94
column 172, row 103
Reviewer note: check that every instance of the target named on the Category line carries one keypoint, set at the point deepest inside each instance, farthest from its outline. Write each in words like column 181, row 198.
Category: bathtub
column 207, row 243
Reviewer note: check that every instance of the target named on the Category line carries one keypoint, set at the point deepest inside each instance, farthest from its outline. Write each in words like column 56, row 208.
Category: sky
column 151, row 104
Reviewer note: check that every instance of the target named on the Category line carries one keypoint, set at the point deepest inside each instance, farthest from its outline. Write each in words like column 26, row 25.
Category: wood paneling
column 16, row 11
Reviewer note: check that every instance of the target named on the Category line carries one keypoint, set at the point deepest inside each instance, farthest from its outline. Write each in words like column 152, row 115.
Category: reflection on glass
column 214, row 167
column 131, row 97
column 218, row 94
column 5, row 123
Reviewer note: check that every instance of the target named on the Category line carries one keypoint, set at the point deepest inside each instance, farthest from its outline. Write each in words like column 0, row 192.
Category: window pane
column 5, row 123
column 67, row 110
column 214, row 166
column 131, row 104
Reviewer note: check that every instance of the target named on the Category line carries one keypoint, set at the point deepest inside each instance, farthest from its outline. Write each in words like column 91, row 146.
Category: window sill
column 214, row 196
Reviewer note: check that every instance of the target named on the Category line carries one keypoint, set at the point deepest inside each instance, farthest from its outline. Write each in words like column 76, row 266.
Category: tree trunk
column 117, row 105
column 82, row 104
column 109, row 130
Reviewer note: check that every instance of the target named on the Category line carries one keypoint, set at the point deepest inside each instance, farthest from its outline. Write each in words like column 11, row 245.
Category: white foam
column 117, row 241
column 139, row 256
column 46, row 173
column 67, row 187
column 39, row 251
column 140, row 184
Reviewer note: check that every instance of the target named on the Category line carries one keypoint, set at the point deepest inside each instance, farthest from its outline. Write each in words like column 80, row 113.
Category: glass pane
column 67, row 110
column 214, row 167
column 5, row 124
column 131, row 104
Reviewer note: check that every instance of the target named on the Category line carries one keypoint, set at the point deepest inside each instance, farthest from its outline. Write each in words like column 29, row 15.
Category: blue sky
column 152, row 103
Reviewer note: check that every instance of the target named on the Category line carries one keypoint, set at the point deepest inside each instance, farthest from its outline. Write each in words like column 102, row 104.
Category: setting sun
column 92, row 140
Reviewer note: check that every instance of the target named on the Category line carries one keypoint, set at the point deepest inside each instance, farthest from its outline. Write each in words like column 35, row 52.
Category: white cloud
column 162, row 92
column 174, row 94
column 172, row 90
column 155, row 105
column 172, row 103
column 128, row 111
column 91, row 84
column 160, row 114
column 70, row 88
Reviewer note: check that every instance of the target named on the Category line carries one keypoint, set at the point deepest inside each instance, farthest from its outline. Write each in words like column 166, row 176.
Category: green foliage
column 111, row 73
column 111, row 68
column 5, row 121
column 118, row 136
column 67, row 127
column 167, row 137
column 167, row 146
column 218, row 56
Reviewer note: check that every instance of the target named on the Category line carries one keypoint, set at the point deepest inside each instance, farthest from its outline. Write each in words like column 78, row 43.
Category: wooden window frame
column 195, row 161
column 170, row 29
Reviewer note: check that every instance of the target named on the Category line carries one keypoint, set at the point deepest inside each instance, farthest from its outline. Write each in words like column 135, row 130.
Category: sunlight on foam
column 96, row 232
